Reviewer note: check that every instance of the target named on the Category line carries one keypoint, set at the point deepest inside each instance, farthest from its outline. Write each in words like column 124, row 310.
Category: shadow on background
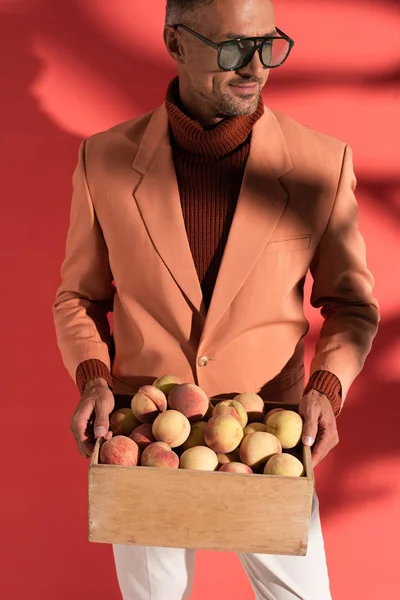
column 44, row 517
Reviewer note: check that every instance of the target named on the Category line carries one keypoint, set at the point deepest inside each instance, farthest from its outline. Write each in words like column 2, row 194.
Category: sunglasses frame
column 258, row 46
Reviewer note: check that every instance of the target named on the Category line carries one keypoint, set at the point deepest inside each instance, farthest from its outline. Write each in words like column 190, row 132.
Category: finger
column 101, row 422
column 83, row 434
column 85, row 446
column 81, row 418
column 82, row 431
column 325, row 442
column 310, row 427
column 319, row 452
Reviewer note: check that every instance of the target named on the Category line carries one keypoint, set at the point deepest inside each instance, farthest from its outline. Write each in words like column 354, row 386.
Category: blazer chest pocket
column 290, row 244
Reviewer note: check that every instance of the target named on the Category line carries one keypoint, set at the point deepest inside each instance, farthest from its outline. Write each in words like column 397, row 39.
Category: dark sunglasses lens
column 274, row 52
column 236, row 54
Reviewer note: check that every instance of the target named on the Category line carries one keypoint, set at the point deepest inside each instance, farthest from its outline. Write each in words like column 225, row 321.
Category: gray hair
column 183, row 11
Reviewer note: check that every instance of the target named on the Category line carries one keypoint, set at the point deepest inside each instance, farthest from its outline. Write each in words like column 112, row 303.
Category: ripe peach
column 143, row 436
column 224, row 459
column 233, row 408
column 171, row 427
column 223, row 433
column 159, row 455
column 199, row 458
column 119, row 450
column 167, row 383
column 287, row 426
column 272, row 412
column 297, row 452
column 123, row 422
column 285, row 465
column 253, row 405
column 196, row 437
column 190, row 400
column 148, row 403
column 257, row 448
column 252, row 427
column 235, row 467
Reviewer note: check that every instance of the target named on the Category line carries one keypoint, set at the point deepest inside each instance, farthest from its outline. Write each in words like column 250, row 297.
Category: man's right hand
column 91, row 417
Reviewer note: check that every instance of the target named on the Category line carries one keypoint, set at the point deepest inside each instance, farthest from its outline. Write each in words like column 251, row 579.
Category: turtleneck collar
column 218, row 141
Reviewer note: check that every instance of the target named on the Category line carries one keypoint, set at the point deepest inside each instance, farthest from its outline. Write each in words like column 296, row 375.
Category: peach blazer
column 127, row 252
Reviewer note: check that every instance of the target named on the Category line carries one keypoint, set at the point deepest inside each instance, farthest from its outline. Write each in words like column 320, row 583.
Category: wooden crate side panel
column 216, row 511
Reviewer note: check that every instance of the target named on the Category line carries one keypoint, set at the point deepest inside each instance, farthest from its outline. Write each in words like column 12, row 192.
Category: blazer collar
column 260, row 205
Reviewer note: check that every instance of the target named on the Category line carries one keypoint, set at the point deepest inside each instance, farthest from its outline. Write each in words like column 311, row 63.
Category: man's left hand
column 319, row 424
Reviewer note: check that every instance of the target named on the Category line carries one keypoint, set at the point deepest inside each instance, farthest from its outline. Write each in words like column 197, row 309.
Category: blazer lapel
column 261, row 203
column 157, row 196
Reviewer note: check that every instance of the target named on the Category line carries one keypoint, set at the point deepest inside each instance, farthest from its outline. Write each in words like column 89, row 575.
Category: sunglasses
column 235, row 54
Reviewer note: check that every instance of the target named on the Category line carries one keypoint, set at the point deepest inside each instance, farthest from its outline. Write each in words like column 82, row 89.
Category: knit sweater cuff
column 92, row 369
column 328, row 384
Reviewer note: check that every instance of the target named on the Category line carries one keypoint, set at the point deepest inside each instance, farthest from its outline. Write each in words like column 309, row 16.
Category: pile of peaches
column 174, row 425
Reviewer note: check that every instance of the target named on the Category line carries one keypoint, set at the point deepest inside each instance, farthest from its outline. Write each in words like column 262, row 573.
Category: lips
column 245, row 87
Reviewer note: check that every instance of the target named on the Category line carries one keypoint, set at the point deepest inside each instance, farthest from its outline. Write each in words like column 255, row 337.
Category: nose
column 254, row 68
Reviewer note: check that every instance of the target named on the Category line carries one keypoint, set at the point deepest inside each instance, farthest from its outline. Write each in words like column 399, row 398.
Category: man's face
column 226, row 93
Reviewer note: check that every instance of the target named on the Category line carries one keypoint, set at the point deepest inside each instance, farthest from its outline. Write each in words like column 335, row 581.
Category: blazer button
column 203, row 361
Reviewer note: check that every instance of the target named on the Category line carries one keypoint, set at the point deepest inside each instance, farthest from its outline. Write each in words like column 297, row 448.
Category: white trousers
column 146, row 573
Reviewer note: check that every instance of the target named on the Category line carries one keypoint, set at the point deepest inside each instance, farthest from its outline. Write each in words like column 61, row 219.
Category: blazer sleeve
column 85, row 296
column 343, row 288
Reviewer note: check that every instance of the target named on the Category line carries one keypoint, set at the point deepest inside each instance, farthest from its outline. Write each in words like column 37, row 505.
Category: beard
column 227, row 104
column 235, row 106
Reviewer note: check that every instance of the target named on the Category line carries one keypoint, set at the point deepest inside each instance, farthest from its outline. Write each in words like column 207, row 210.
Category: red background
column 72, row 68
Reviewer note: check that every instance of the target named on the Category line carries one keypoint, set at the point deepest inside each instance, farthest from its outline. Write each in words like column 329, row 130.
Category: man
column 196, row 224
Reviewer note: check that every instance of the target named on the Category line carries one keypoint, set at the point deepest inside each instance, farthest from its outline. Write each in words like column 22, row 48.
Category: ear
column 173, row 43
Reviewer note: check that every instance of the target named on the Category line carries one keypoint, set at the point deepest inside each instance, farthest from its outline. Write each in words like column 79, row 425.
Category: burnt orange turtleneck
column 209, row 165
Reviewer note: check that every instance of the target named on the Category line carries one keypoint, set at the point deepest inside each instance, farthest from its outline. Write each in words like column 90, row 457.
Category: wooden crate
column 196, row 509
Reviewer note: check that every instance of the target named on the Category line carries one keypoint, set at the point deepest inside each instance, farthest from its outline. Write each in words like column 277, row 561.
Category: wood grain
column 203, row 510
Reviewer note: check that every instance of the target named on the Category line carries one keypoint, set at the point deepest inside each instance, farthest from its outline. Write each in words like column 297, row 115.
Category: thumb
column 310, row 428
column 101, row 423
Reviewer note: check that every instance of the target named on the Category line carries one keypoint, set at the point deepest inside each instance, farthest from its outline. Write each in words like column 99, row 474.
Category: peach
column 233, row 408
column 148, row 403
column 297, row 451
column 287, row 426
column 224, row 459
column 285, row 465
column 196, row 437
column 190, row 400
column 119, row 450
column 223, row 433
column 171, row 427
column 252, row 427
column 199, row 458
column 235, row 467
column 257, row 448
column 143, row 436
column 167, row 383
column 253, row 405
column 159, row 455
column 225, row 410
column 123, row 422
column 272, row 412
